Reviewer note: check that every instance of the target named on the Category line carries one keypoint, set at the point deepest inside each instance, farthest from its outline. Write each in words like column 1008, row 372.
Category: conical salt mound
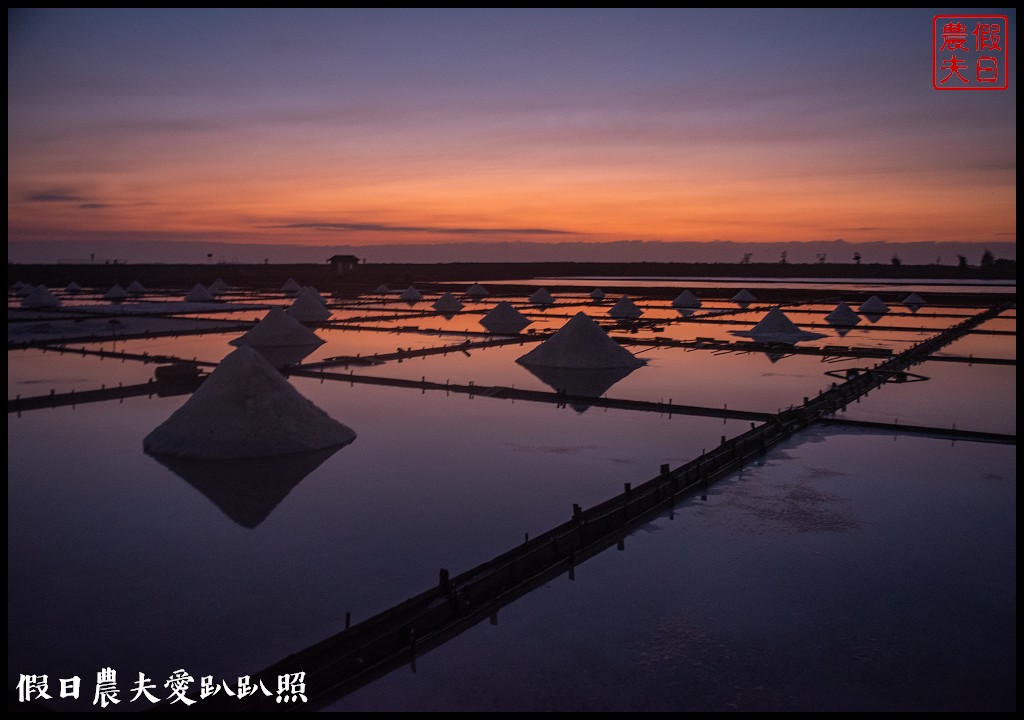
column 382, row 290
column 219, row 286
column 40, row 297
column 313, row 293
column 775, row 323
column 597, row 294
column 136, row 288
column 199, row 294
column 580, row 343
column 410, row 294
column 246, row 409
column 541, row 297
column 625, row 309
column 744, row 296
column 874, row 306
column 913, row 300
column 447, row 303
column 842, row 315
column 116, row 294
column 18, row 286
column 307, row 308
column 290, row 287
column 73, row 288
column 775, row 327
column 278, row 328
column 579, row 382
column 476, row 290
column 686, row 299
column 504, row 319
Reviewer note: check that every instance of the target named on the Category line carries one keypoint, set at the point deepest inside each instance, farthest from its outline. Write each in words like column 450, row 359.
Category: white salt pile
column 873, row 306
column 136, row 288
column 219, row 286
column 448, row 304
column 625, row 309
column 40, row 297
column 308, row 307
column 290, row 287
column 744, row 296
column 199, row 294
column 580, row 343
column 477, row 291
column 246, row 409
column 116, row 294
column 541, row 297
column 503, row 319
column 686, row 299
column 777, row 327
column 382, row 290
column 411, row 294
column 842, row 315
column 313, row 293
column 597, row 294
column 914, row 301
column 278, row 328
column 73, row 288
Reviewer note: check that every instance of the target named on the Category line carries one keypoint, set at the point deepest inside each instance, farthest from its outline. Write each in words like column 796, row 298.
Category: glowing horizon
column 374, row 127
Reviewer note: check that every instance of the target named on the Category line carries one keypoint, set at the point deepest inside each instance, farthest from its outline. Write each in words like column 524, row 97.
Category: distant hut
column 342, row 264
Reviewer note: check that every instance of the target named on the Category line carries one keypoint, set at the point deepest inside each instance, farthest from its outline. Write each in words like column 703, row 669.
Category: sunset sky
column 398, row 126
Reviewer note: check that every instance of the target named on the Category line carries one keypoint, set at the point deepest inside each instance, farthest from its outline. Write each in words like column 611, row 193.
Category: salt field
column 865, row 563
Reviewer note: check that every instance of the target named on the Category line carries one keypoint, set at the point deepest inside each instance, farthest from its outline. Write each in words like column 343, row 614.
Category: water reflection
column 247, row 490
column 283, row 356
column 590, row 382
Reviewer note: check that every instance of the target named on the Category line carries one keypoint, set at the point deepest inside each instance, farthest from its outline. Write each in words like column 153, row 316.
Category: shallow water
column 431, row 481
column 823, row 579
column 798, row 585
